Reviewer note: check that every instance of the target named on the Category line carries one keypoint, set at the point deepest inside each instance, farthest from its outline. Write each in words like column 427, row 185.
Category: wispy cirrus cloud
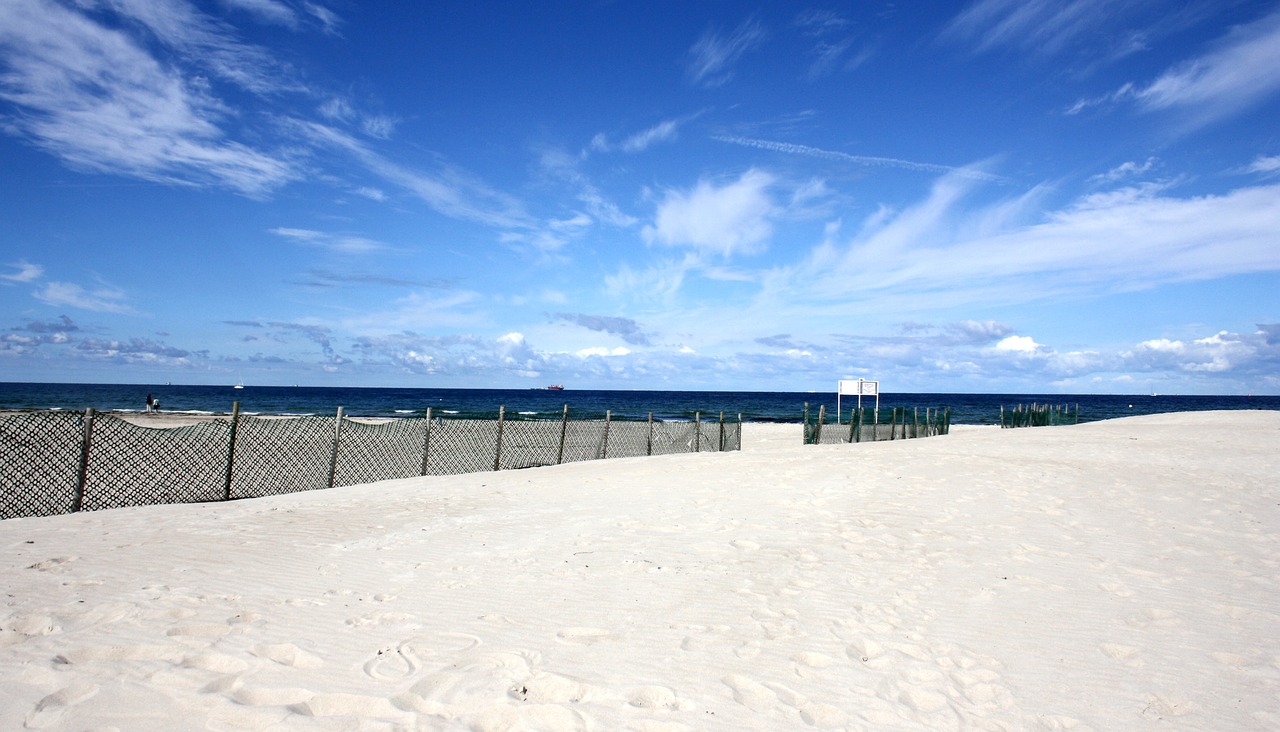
column 831, row 43
column 331, row 279
column 1265, row 164
column 639, row 141
column 1042, row 26
column 94, row 96
column 450, row 191
column 269, row 11
column 943, row 251
column 24, row 272
column 103, row 298
column 712, row 57
column 790, row 148
column 336, row 243
column 1242, row 70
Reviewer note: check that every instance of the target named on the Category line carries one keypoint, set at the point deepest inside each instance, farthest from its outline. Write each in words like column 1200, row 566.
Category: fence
column 1038, row 415
column 60, row 462
column 865, row 426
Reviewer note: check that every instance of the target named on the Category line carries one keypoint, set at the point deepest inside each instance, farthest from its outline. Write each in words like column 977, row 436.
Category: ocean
column 583, row 404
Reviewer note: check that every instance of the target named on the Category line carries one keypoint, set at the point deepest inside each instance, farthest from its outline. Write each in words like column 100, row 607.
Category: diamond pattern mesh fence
column 462, row 446
column 39, row 463
column 379, row 451
column 59, row 462
column 274, row 456
column 134, row 466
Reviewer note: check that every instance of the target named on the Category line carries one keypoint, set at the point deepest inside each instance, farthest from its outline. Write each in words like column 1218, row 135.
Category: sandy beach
column 1112, row 575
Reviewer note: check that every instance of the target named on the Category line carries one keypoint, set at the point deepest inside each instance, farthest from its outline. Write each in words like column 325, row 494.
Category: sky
column 998, row 196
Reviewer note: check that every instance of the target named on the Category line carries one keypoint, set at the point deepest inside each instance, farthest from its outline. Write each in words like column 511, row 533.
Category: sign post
column 859, row 388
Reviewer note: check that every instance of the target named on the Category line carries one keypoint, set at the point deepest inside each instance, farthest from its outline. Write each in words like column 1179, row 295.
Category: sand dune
column 1113, row 575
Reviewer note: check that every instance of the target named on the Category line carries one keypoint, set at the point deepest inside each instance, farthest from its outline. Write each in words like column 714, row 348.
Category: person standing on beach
column 151, row 403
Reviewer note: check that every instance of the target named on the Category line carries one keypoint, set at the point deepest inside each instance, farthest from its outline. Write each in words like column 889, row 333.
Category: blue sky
column 1005, row 195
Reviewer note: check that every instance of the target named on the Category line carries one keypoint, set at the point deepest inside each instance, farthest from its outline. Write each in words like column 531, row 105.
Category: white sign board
column 860, row 388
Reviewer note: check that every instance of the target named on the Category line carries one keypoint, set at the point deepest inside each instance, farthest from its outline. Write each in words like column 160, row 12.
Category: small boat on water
column 556, row 387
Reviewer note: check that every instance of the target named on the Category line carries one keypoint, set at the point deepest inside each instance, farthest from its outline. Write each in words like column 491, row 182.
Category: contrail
column 815, row 152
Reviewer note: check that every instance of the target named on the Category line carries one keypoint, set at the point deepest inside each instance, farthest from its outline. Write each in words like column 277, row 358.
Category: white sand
column 1110, row 576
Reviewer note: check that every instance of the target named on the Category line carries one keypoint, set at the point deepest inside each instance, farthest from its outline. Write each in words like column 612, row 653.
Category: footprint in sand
column 287, row 654
column 49, row 710
column 809, row 662
column 54, row 564
column 750, row 693
column 31, row 624
column 653, row 697
column 1121, row 653
column 1117, row 589
column 218, row 663
column 547, row 688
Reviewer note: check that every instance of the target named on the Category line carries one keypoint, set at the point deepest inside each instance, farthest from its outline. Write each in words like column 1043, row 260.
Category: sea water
column 753, row 406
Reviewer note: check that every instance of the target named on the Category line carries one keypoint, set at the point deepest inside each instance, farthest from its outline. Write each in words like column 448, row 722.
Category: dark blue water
column 583, row 404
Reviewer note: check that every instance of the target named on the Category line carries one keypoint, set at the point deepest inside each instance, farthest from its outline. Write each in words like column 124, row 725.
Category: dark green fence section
column 59, row 462
column 866, row 425
column 1039, row 415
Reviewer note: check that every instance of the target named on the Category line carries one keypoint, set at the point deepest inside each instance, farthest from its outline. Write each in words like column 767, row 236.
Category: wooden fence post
column 822, row 417
column 231, row 450
column 564, row 428
column 604, row 447
column 497, row 450
column 82, row 474
column 337, row 438
column 697, row 431
column 721, row 432
column 426, row 444
column 648, row 446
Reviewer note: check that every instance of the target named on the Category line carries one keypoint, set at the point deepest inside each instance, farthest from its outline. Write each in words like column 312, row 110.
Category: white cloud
column 1265, row 165
column 103, row 299
column 940, row 253
column 639, row 141
column 452, row 192
column 1040, row 26
column 1018, row 344
column 711, row 59
column 26, row 272
column 1243, row 70
column 270, row 11
column 660, row 132
column 1219, row 353
column 603, row 352
column 96, row 98
column 336, row 243
column 789, row 148
column 726, row 220
column 1124, row 170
